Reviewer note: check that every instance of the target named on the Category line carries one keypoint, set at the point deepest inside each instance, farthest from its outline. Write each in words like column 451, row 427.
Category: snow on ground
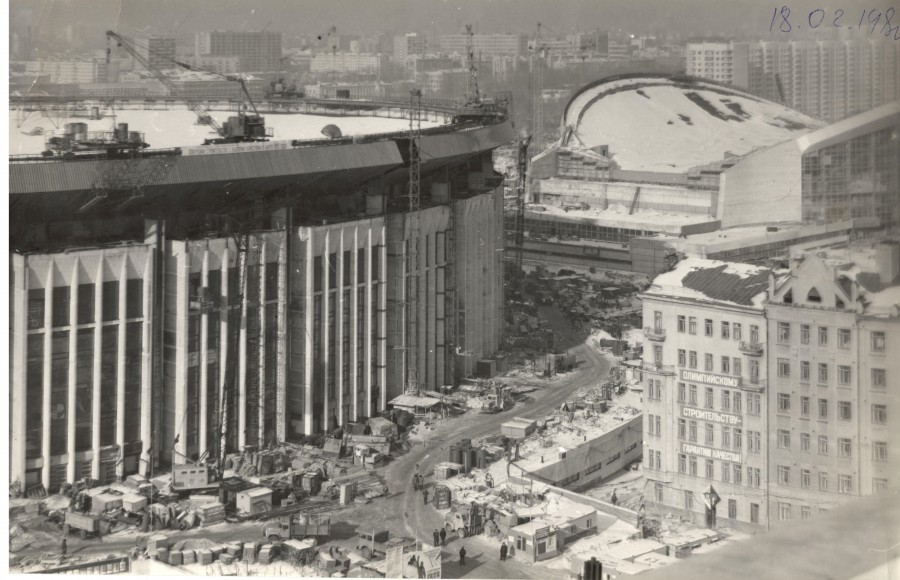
column 618, row 213
column 634, row 336
column 176, row 127
column 666, row 131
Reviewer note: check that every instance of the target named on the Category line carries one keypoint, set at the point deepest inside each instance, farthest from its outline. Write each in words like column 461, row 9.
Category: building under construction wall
column 188, row 302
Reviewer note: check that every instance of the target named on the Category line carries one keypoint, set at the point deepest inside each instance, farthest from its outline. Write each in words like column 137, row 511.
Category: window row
column 844, row 445
column 728, row 472
column 659, row 496
column 844, row 408
column 844, row 481
column 844, row 372
column 729, row 437
column 85, row 294
column 727, row 365
column 727, row 330
column 728, row 400
column 823, row 336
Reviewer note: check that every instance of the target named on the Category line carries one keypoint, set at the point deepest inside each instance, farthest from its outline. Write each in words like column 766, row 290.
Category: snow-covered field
column 654, row 125
column 176, row 127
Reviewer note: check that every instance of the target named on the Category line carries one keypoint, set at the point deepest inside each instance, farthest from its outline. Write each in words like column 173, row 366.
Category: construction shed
column 414, row 404
column 535, row 541
column 518, row 428
column 254, row 501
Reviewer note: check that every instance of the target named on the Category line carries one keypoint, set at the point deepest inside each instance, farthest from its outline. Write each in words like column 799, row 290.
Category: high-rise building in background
column 827, row 79
column 487, row 45
column 409, row 44
column 158, row 50
column 258, row 51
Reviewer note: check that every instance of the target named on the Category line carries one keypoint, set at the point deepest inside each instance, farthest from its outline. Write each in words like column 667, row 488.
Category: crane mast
column 520, row 199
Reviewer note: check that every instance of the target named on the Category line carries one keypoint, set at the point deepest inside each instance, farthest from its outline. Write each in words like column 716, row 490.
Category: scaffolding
column 412, row 255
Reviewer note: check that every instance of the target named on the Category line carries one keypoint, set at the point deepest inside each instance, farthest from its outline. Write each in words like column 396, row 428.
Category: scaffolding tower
column 412, row 254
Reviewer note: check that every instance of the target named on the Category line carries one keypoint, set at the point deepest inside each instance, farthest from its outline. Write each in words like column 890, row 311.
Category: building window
column 682, row 463
column 823, row 481
column 804, row 442
column 692, row 431
column 726, row 437
column 879, row 414
column 754, row 513
column 726, row 400
column 754, row 441
column 657, row 321
column 726, row 365
column 736, row 401
column 753, row 404
column 692, row 325
column 693, row 395
column 681, row 324
column 708, row 327
column 681, row 392
column 682, row 357
column 823, row 409
column 754, row 334
column 708, row 362
column 784, row 439
column 732, row 509
column 879, row 485
column 726, row 331
column 692, row 359
column 823, row 373
column 738, row 438
column 804, row 512
column 843, row 375
column 804, row 334
column 755, row 477
column 708, row 402
column 804, row 370
column 658, row 489
column 736, row 330
column 688, row 500
column 804, row 406
column 736, row 366
column 692, row 461
column 823, row 336
column 784, row 510
column 657, row 354
column 844, row 412
column 709, row 433
column 754, row 371
column 823, row 445
column 844, row 338
column 804, row 478
column 682, row 428
column 879, row 451
column 784, row 402
column 845, row 484
column 738, row 474
column 879, row 378
column 784, row 368
column 877, row 342
column 843, row 447
column 784, row 332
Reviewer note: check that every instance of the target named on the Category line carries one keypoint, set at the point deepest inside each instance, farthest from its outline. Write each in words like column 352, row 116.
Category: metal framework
column 472, row 94
column 537, row 69
column 412, row 254
column 522, row 171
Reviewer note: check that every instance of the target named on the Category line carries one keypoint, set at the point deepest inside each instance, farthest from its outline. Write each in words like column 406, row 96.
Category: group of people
column 440, row 537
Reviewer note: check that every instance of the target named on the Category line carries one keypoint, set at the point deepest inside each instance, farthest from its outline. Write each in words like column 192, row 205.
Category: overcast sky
column 135, row 17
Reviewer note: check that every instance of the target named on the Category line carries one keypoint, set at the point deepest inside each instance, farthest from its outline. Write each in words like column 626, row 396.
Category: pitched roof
column 721, row 285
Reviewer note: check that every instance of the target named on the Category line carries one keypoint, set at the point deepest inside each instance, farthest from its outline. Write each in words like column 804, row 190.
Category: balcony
column 655, row 333
column 752, row 348
column 756, row 385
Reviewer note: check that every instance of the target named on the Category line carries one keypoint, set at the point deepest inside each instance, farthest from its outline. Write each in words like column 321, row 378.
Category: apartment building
column 705, row 377
column 66, row 72
column 258, row 51
column 348, row 62
column 159, row 51
column 408, row 45
column 833, row 325
column 486, row 45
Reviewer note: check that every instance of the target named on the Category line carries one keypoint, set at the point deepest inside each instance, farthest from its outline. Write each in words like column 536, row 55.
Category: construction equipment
column 87, row 525
column 238, row 128
column 118, row 143
column 278, row 88
column 538, row 51
column 412, row 255
column 465, row 520
column 193, row 476
column 371, row 543
column 472, row 95
column 298, row 526
column 521, row 176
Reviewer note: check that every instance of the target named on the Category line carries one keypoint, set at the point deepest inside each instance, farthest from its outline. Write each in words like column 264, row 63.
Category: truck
column 86, row 524
column 298, row 526
column 371, row 543
column 465, row 520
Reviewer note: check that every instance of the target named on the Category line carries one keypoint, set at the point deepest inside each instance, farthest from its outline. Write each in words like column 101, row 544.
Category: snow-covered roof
column 870, row 121
column 617, row 215
column 857, row 263
column 714, row 281
column 660, row 124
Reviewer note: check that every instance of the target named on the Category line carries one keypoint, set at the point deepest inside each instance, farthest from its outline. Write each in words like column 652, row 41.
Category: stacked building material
column 266, row 554
column 211, row 514
column 226, row 558
column 250, row 552
column 204, row 557
column 162, row 554
column 176, row 558
column 188, row 557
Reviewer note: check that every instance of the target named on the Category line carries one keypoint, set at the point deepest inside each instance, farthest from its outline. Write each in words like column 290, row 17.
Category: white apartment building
column 348, row 62
column 487, row 45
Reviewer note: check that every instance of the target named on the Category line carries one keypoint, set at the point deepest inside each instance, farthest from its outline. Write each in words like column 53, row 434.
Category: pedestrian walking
column 436, row 537
column 63, row 547
column 425, row 496
column 503, row 551
column 614, row 499
column 462, row 556
column 443, row 533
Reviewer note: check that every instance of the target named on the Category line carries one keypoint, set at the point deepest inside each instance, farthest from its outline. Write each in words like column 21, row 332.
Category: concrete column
column 281, row 343
column 204, row 356
column 223, row 348
column 73, row 367
column 309, row 330
column 261, row 349
column 19, row 393
column 48, row 368
column 354, row 325
column 98, row 354
column 382, row 338
column 433, row 299
column 120, row 372
column 182, row 273
column 339, row 327
column 147, row 331
column 369, row 348
column 440, row 314
column 326, row 298
column 244, row 269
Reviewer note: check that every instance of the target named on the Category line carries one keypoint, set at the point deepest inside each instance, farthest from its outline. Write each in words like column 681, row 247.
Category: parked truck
column 465, row 520
column 371, row 543
column 86, row 524
column 298, row 526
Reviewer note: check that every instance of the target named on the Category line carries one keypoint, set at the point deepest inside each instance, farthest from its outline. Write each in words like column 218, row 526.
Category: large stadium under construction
column 182, row 299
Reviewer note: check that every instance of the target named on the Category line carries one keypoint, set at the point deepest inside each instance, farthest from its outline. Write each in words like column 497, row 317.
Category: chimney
column 887, row 258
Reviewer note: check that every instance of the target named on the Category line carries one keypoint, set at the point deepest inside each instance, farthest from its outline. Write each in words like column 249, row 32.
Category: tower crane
column 472, row 94
column 522, row 170
column 240, row 128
